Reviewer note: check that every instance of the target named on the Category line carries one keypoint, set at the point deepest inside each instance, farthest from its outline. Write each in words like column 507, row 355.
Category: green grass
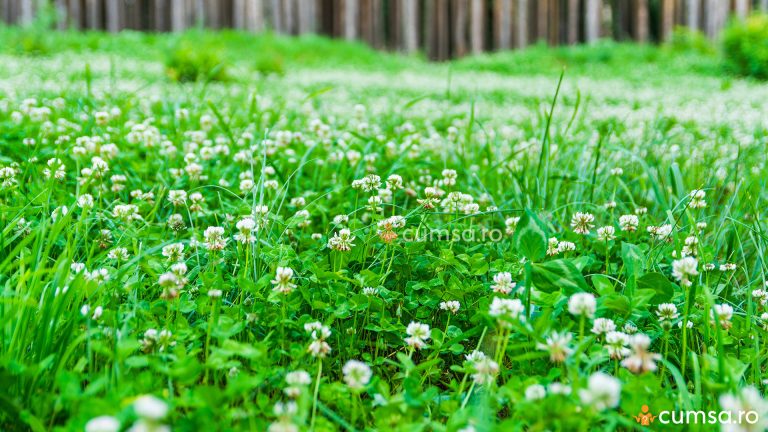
column 505, row 162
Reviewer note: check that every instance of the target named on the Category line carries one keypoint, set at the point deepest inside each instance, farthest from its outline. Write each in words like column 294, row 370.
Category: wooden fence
column 441, row 28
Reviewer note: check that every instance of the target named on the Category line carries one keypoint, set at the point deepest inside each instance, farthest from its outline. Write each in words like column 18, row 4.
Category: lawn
column 305, row 234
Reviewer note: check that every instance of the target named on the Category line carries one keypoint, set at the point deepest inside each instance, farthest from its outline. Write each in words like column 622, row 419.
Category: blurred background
column 441, row 29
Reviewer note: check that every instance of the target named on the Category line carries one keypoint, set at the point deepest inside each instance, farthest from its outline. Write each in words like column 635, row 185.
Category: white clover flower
column 449, row 177
column 629, row 222
column 118, row 254
column 342, row 241
column 394, row 182
column 298, row 378
column 748, row 400
column 685, row 268
column 283, row 281
column 418, row 334
column 557, row 388
column 357, row 374
column 506, row 310
column 616, row 344
column 85, row 201
column 214, row 238
column 99, row 275
column 603, row 391
column 177, row 197
column 103, row 424
column 485, row 371
column 245, row 228
column 667, row 312
column 126, row 212
column 582, row 222
column 724, row 314
column 150, row 407
column 174, row 252
column 565, row 246
column 603, row 326
column 641, row 360
column 606, row 233
column 59, row 212
column 451, row 306
column 558, row 345
column 502, row 283
column 510, row 224
column 697, row 199
column 582, row 304
column 535, row 392
column 552, row 246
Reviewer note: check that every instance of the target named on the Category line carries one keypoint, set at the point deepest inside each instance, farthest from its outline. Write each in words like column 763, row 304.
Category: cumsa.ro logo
column 646, row 418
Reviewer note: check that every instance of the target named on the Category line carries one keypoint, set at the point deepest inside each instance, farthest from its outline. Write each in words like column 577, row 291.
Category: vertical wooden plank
column 178, row 15
column 441, row 30
column 409, row 18
column 59, row 5
column 254, row 20
column 289, row 20
column 522, row 10
column 211, row 8
column 592, row 20
column 503, row 24
column 542, row 11
column 476, row 28
column 693, row 13
column 667, row 18
column 112, row 13
column 161, row 15
column 377, row 23
column 428, row 27
column 641, row 20
column 238, row 14
column 26, row 17
column 573, row 21
column 460, row 27
column 276, row 15
column 351, row 15
column 553, row 22
column 93, row 14
column 741, row 8
column 714, row 11
column 304, row 17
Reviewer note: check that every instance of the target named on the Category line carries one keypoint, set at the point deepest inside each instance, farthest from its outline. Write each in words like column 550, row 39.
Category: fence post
column 476, row 18
column 377, row 23
column 92, row 14
column 667, row 18
column 460, row 27
column 178, row 15
column 592, row 20
column 503, row 13
column 641, row 20
column 573, row 21
column 351, row 14
column 741, row 8
column 254, row 20
column 304, row 10
column 522, row 23
column 408, row 12
column 542, row 20
column 692, row 14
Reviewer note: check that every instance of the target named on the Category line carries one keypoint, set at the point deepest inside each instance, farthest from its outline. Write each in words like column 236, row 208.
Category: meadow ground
column 328, row 238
